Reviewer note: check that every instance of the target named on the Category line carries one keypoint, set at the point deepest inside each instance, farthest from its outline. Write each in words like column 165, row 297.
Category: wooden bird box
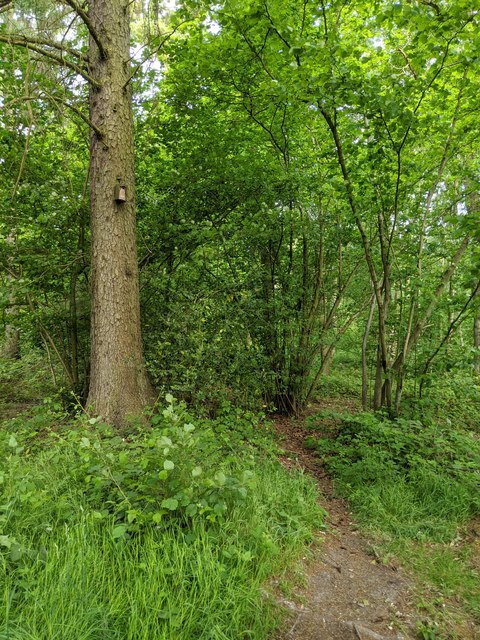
column 120, row 192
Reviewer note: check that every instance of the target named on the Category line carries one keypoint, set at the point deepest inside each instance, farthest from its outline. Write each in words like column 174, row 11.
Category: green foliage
column 98, row 537
column 451, row 399
column 414, row 483
column 252, row 263
column 23, row 383
column 405, row 477
column 173, row 469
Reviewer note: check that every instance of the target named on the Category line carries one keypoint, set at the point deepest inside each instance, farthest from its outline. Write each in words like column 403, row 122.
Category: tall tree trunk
column 378, row 387
column 119, row 384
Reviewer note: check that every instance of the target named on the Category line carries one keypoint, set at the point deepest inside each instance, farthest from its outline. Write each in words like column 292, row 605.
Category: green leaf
column 119, row 531
column 12, row 442
column 169, row 398
column 196, row 471
column 157, row 516
column 170, row 503
column 131, row 515
column 5, row 541
column 191, row 510
column 168, row 465
column 16, row 552
column 220, row 478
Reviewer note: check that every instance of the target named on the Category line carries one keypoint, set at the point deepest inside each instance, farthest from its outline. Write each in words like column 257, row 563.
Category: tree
column 399, row 125
column 119, row 384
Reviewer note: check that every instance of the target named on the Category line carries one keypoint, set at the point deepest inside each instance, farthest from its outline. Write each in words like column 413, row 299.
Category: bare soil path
column 349, row 593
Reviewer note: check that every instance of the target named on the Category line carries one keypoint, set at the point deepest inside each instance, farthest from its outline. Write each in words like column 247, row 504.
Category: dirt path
column 350, row 595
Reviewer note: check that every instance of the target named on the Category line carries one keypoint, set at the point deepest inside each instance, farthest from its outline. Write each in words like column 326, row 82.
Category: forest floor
column 350, row 592
column 351, row 588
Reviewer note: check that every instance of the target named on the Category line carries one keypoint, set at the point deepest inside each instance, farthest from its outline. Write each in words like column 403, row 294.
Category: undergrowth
column 158, row 533
column 23, row 382
column 414, row 482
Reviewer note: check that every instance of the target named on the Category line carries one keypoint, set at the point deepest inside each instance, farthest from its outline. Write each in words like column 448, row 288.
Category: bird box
column 120, row 192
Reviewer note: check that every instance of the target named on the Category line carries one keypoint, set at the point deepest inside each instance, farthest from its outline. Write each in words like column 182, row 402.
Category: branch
column 434, row 6
column 29, row 130
column 5, row 5
column 47, row 338
column 20, row 39
column 156, row 50
column 81, row 13
column 32, row 45
column 409, row 64
column 77, row 111
column 451, row 327
column 422, row 321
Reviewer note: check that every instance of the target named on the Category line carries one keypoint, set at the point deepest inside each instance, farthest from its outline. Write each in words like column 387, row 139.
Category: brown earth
column 349, row 594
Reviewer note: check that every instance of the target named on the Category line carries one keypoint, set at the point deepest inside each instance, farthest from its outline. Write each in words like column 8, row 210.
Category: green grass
column 202, row 582
column 448, row 569
column 414, row 484
column 66, row 573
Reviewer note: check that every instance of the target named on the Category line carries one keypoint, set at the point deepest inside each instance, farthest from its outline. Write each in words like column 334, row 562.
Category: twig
column 88, row 23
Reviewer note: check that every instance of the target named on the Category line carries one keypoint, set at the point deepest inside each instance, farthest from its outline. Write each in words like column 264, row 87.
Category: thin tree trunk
column 439, row 291
column 382, row 334
column 452, row 324
column 119, row 384
column 401, row 367
column 74, row 326
column 366, row 333
column 476, row 341
column 11, row 345
column 377, row 389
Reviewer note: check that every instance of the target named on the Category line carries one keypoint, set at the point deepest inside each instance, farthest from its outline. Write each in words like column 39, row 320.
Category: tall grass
column 65, row 575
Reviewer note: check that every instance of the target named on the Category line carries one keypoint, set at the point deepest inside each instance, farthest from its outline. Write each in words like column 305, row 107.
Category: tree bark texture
column 119, row 384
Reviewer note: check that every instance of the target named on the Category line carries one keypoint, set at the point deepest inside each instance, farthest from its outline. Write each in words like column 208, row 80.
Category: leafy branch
column 39, row 46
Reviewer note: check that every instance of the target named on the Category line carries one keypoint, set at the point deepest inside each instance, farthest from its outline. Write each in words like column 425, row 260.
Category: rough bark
column 119, row 384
